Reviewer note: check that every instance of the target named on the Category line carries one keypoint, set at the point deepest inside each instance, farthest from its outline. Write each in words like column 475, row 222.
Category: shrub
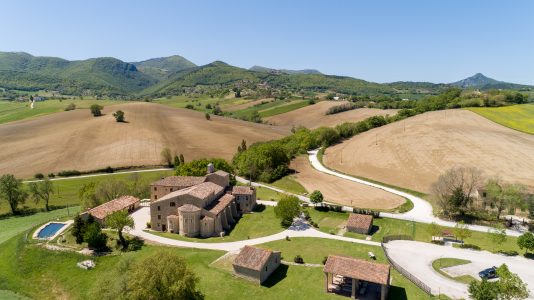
column 325, row 259
column 94, row 237
column 109, row 169
column 71, row 106
column 38, row 176
column 207, row 116
column 190, row 106
column 287, row 209
column 119, row 116
column 96, row 110
column 148, row 225
column 298, row 259
column 51, row 175
column 135, row 244
column 67, row 173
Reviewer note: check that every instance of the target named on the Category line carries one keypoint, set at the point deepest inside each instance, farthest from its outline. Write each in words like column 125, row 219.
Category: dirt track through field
column 313, row 116
column 76, row 140
column 342, row 191
column 414, row 152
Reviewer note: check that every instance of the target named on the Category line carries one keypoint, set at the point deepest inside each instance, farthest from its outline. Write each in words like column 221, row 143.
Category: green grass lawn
column 14, row 111
column 329, row 222
column 442, row 263
column 518, row 117
column 250, row 226
column 42, row 274
column 268, row 194
column 289, row 184
column 14, row 225
column 66, row 191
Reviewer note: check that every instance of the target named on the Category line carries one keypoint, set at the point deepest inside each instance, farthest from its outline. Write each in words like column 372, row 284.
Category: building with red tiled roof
column 360, row 223
column 343, row 273
column 256, row 264
column 193, row 206
column 128, row 203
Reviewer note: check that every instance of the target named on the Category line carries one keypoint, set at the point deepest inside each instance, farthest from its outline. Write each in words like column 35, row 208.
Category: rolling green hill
column 160, row 68
column 105, row 75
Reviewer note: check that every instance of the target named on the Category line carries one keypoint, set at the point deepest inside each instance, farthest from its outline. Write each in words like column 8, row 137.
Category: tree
column 526, row 240
column 41, row 190
column 435, row 230
column 483, row 290
column 455, row 188
column 498, row 235
column 118, row 220
column 508, row 287
column 87, row 195
column 182, row 159
column 78, row 229
column 504, row 196
column 207, row 115
column 461, row 231
column 94, row 237
column 107, row 190
column 287, row 209
column 166, row 156
column 199, row 167
column 316, row 197
column 138, row 186
column 96, row 110
column 176, row 161
column 12, row 191
column 163, row 275
column 119, row 116
column 243, row 145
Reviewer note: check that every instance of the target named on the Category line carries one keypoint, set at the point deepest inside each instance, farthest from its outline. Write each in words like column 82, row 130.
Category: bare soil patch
column 342, row 191
column 414, row 152
column 77, row 140
column 313, row 116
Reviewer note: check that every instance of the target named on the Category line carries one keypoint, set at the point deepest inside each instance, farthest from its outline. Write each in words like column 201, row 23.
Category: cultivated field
column 518, row 117
column 414, row 152
column 342, row 191
column 313, row 116
column 77, row 140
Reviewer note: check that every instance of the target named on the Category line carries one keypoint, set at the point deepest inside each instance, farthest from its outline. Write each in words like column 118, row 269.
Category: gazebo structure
column 357, row 278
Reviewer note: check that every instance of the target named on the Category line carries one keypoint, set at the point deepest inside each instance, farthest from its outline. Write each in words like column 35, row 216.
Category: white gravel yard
column 417, row 258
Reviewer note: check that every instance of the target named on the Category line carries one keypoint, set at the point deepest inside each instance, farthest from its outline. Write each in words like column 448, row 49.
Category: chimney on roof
column 211, row 168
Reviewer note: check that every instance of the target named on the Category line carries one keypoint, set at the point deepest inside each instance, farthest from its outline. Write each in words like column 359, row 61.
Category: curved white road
column 421, row 212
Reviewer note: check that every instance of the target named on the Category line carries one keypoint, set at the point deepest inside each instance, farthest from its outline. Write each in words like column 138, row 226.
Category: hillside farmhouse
column 198, row 206
column 256, row 264
column 101, row 212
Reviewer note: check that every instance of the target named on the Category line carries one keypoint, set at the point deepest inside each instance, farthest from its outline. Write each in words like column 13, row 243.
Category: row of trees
column 13, row 191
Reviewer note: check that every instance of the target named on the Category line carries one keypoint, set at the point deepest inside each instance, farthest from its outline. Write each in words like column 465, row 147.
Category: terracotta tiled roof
column 205, row 189
column 189, row 208
column 252, row 258
column 357, row 268
column 360, row 221
column 220, row 204
column 242, row 190
column 180, row 181
column 102, row 211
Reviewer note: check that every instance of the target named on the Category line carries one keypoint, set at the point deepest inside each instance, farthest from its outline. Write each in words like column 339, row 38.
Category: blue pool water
column 49, row 230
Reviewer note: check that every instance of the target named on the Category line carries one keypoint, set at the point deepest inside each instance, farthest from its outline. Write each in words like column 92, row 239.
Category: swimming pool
column 49, row 230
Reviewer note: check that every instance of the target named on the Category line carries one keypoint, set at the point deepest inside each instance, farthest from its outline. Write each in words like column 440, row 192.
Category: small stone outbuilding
column 127, row 203
column 256, row 264
column 359, row 223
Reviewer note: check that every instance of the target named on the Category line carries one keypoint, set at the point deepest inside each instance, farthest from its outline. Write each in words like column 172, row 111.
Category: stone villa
column 198, row 206
column 256, row 264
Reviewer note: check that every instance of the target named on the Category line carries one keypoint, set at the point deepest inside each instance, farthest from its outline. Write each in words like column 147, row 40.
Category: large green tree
column 316, row 197
column 118, row 220
column 162, row 276
column 199, row 167
column 41, row 191
column 287, row 209
column 504, row 196
column 12, row 190
column 526, row 241
column 483, row 290
column 508, row 287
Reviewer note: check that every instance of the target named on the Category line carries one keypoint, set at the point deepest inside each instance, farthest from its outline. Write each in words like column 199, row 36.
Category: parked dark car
column 488, row 273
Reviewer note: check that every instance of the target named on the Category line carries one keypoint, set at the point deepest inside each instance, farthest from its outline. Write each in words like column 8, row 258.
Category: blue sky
column 382, row 41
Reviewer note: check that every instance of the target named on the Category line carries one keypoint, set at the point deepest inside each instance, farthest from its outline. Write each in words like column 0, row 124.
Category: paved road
column 299, row 229
column 417, row 258
column 421, row 212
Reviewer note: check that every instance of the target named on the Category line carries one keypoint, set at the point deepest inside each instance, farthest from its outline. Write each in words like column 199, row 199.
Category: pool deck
column 60, row 231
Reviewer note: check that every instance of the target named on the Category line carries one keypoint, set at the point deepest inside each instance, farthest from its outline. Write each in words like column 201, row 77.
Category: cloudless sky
column 382, row 41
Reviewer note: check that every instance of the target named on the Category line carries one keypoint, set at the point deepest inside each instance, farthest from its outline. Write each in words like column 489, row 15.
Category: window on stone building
column 173, row 204
column 159, row 208
column 159, row 217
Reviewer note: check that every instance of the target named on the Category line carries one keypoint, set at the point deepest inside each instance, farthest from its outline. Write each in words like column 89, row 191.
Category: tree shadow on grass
column 276, row 276
column 397, row 293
